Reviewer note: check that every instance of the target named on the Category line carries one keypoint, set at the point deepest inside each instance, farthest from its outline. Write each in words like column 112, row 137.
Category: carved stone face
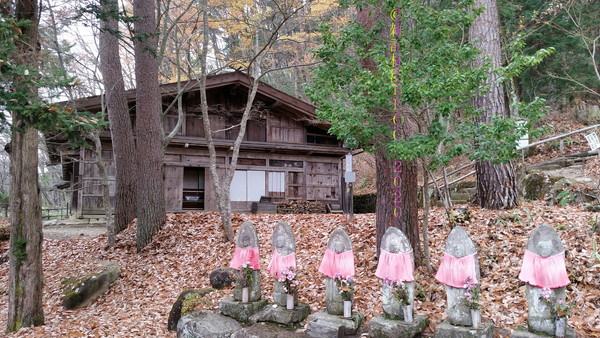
column 283, row 239
column 459, row 244
column 247, row 237
column 395, row 241
column 339, row 241
column 544, row 241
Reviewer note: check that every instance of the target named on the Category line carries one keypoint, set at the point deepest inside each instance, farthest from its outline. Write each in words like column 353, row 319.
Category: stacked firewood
column 301, row 207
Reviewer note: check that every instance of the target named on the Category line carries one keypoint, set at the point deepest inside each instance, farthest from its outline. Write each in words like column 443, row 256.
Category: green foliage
column 19, row 97
column 565, row 197
column 435, row 86
column 4, row 200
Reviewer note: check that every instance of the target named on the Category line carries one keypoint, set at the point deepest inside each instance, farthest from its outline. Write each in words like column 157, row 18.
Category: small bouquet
column 399, row 291
column 288, row 280
column 471, row 294
column 345, row 285
column 245, row 275
column 559, row 308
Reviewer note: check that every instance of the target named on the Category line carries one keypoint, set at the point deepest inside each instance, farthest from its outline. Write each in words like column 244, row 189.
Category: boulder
column 182, row 305
column 535, row 186
column 200, row 324
column 79, row 292
column 222, row 278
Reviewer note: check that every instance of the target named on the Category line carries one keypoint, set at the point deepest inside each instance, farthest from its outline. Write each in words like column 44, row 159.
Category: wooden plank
column 173, row 188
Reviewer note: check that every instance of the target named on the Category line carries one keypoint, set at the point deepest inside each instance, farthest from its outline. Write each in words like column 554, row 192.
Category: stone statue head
column 459, row 244
column 246, row 237
column 283, row 238
column 339, row 241
column 544, row 241
column 395, row 241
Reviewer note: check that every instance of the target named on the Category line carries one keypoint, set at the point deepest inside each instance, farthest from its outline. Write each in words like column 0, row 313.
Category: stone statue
column 284, row 256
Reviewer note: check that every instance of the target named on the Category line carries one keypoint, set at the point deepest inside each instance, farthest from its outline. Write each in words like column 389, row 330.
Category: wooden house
column 286, row 154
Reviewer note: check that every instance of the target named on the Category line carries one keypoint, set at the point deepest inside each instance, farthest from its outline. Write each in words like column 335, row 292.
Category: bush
column 364, row 204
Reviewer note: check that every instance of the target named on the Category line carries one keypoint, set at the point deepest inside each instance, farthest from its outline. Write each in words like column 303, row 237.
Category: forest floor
column 191, row 245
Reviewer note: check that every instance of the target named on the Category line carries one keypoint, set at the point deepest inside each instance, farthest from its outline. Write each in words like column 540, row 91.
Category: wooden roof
column 292, row 104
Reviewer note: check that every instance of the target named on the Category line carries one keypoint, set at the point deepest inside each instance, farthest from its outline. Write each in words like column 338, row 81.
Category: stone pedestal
column 323, row 325
column 446, row 330
column 522, row 332
column 240, row 311
column 380, row 327
column 280, row 315
column 540, row 317
column 265, row 330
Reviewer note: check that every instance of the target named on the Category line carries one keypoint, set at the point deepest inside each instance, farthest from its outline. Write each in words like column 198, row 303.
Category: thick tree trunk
column 397, row 199
column 496, row 185
column 123, row 143
column 149, row 133
column 25, row 253
column 25, row 283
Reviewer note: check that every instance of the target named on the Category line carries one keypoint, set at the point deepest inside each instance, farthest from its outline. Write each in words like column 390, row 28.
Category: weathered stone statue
column 338, row 259
column 396, row 265
column 247, row 251
column 459, row 263
column 543, row 268
column 284, row 256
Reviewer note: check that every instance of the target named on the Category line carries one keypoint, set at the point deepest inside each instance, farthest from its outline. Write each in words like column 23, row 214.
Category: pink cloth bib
column 342, row 263
column 544, row 272
column 241, row 256
column 279, row 263
column 395, row 266
column 454, row 271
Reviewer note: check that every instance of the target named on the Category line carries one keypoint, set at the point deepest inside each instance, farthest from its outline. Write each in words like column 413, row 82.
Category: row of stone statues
column 543, row 270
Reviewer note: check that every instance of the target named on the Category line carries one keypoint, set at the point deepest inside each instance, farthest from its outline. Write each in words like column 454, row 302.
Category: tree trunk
column 396, row 180
column 149, row 133
column 25, row 253
column 496, row 185
column 25, row 283
column 397, row 199
column 123, row 144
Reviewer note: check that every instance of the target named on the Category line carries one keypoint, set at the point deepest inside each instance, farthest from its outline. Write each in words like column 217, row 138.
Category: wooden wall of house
column 91, row 191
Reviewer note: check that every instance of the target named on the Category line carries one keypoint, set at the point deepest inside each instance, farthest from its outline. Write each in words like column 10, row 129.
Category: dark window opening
column 193, row 188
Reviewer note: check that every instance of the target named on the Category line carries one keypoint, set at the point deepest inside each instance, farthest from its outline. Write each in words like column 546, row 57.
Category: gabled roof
column 291, row 103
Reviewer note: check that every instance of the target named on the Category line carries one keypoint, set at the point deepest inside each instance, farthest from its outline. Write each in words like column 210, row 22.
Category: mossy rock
column 186, row 302
column 222, row 278
column 79, row 292
column 536, row 185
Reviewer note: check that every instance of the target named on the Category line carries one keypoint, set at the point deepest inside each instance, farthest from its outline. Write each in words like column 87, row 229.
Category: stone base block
column 240, row 311
column 280, row 315
column 380, row 327
column 265, row 330
column 198, row 324
column 522, row 332
column 445, row 330
column 323, row 325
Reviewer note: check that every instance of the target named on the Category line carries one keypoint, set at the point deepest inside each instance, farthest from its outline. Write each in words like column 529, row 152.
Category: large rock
column 264, row 330
column 380, row 327
column 222, row 278
column 459, row 244
column 395, row 241
column 206, row 324
column 544, row 241
column 80, row 292
column 177, row 310
column 536, row 185
column 323, row 325
column 240, row 311
column 280, row 315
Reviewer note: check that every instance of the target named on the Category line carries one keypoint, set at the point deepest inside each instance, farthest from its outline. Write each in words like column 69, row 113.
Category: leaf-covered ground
column 190, row 246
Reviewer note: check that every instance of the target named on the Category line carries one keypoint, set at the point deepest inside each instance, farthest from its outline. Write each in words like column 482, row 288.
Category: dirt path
column 72, row 231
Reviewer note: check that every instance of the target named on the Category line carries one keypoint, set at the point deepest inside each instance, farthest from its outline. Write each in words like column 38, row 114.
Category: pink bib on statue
column 241, row 256
column 544, row 272
column 279, row 263
column 395, row 266
column 333, row 263
column 454, row 271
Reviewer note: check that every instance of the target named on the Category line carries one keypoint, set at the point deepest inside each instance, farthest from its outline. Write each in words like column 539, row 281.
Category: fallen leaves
column 191, row 245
